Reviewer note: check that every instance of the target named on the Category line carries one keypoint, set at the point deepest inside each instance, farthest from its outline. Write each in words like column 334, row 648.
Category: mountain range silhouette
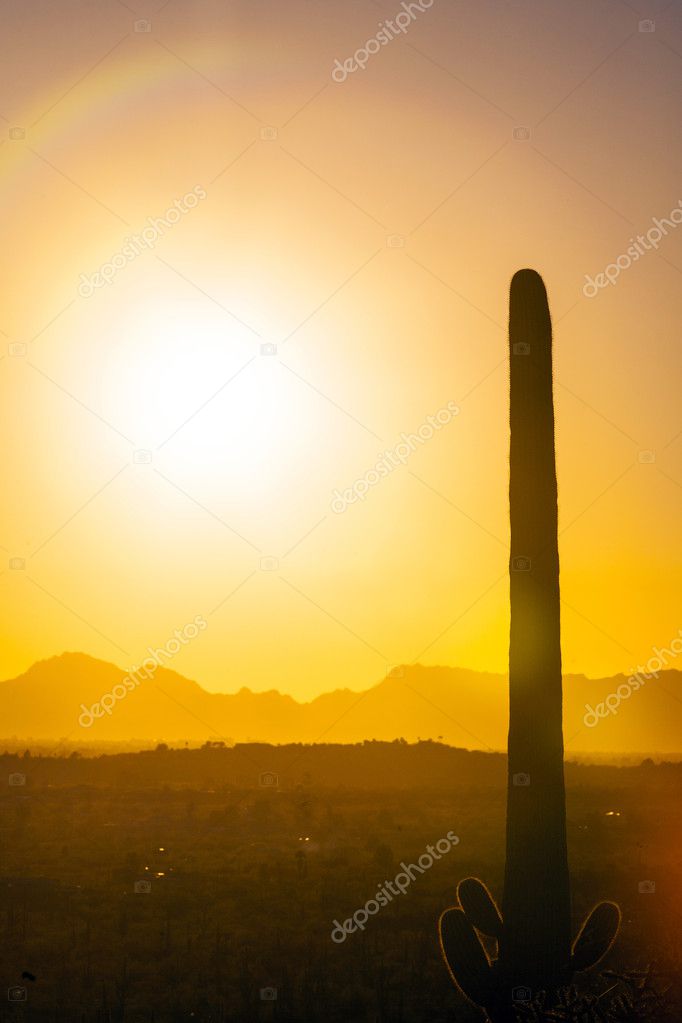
column 464, row 707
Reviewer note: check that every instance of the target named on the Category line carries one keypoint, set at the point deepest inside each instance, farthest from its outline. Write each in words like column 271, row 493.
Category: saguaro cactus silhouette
column 533, row 932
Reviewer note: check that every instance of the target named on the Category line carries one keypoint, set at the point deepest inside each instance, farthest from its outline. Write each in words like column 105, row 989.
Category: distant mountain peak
column 467, row 708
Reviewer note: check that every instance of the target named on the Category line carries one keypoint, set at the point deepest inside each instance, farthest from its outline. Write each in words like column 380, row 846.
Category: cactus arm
column 596, row 936
column 465, row 957
column 479, row 907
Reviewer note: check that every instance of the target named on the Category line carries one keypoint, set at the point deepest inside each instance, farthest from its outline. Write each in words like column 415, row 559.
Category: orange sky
column 367, row 229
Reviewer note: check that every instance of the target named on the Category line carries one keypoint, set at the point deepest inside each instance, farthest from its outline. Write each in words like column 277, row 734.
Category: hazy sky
column 368, row 229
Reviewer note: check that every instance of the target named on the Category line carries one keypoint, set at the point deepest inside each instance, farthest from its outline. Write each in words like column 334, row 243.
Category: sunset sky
column 368, row 230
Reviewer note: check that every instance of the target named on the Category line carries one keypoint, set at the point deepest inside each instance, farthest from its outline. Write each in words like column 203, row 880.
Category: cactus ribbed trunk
column 533, row 932
column 536, row 945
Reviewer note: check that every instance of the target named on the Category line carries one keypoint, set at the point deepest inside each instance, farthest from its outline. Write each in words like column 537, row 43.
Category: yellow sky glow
column 368, row 231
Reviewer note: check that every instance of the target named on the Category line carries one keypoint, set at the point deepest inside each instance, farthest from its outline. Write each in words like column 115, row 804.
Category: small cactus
column 533, row 931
